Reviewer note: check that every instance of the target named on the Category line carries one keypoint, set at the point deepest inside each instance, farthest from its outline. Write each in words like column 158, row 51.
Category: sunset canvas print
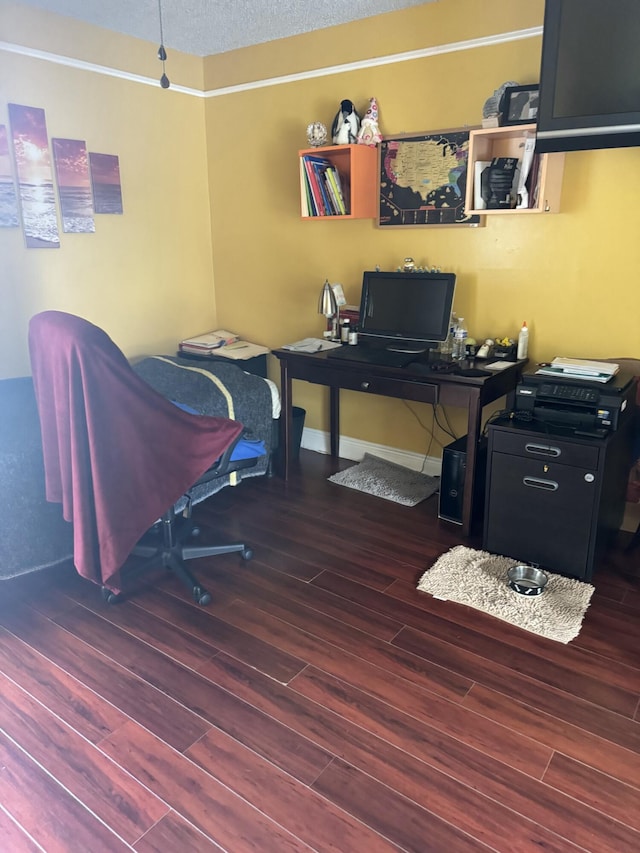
column 74, row 185
column 105, row 178
column 8, row 197
column 35, row 177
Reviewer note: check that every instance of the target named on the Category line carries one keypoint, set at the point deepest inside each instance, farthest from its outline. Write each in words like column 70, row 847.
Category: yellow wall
column 148, row 278
column 572, row 276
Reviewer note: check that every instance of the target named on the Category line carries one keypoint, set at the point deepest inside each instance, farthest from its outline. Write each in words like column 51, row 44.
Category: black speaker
column 454, row 467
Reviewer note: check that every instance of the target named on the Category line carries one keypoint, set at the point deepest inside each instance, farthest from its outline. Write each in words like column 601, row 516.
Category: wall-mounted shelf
column 487, row 143
column 358, row 169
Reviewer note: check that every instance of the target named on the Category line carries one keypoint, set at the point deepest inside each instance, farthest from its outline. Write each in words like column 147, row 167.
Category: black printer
column 580, row 405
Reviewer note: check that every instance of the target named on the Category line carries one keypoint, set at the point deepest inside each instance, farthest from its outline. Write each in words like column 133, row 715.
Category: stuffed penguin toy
column 346, row 124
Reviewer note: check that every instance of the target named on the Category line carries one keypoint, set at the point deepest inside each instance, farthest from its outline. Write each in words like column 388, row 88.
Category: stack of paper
column 205, row 344
column 311, row 345
column 241, row 350
column 580, row 368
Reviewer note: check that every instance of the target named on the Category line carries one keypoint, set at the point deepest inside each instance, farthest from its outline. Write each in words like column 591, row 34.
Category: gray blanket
column 216, row 388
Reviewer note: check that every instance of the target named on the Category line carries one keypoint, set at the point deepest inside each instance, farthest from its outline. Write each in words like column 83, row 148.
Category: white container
column 523, row 341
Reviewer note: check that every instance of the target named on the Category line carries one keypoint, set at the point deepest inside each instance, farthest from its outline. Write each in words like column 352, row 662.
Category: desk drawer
column 546, row 448
column 425, row 392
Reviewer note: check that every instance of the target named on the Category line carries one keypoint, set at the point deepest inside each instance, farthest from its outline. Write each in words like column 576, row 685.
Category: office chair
column 121, row 458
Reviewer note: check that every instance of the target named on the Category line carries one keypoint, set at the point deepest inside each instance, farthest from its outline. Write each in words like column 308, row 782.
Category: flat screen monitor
column 589, row 75
column 406, row 311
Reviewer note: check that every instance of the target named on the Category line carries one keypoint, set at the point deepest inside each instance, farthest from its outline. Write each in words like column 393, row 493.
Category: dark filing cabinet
column 554, row 500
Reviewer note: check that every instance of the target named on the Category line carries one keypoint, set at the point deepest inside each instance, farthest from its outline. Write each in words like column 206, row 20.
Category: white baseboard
column 353, row 448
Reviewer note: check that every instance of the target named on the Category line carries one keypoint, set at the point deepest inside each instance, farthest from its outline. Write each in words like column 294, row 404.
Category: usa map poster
column 423, row 179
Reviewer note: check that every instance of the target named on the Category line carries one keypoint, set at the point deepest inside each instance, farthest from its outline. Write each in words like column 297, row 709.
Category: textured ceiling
column 205, row 27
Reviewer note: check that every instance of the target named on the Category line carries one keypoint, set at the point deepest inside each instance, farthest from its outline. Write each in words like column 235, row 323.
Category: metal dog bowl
column 526, row 580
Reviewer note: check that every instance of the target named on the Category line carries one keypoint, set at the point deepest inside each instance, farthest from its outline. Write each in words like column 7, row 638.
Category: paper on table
column 497, row 365
column 311, row 345
column 241, row 350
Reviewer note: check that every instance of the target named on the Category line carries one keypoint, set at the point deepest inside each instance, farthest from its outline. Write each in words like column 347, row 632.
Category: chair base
column 164, row 546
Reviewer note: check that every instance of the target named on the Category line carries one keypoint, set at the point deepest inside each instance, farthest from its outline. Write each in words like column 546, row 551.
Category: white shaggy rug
column 387, row 480
column 479, row 579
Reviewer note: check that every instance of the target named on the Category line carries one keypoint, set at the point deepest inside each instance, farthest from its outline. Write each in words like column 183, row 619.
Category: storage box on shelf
column 509, row 141
column 357, row 167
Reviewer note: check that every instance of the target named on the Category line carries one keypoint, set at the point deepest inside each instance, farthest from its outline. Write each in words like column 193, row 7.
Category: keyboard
column 373, row 355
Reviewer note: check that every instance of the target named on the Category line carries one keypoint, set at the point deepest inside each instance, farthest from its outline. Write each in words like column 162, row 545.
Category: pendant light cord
column 162, row 53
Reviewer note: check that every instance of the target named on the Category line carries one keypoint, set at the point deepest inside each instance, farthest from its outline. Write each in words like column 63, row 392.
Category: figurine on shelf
column 369, row 133
column 493, row 106
column 316, row 134
column 346, row 124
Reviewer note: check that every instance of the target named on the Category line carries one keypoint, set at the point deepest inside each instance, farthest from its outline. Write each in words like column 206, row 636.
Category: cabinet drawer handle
column 364, row 386
column 542, row 449
column 537, row 483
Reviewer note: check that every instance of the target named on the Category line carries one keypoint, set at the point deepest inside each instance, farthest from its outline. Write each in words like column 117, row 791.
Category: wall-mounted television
column 589, row 75
column 406, row 311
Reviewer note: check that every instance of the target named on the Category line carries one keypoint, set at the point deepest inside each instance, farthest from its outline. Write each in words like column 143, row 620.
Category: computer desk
column 407, row 383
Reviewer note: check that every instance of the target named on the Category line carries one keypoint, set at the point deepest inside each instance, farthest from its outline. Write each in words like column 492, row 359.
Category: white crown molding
column 452, row 47
column 56, row 59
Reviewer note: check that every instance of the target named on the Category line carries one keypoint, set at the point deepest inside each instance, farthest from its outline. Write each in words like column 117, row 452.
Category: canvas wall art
column 74, row 185
column 35, row 177
column 8, row 198
column 105, row 179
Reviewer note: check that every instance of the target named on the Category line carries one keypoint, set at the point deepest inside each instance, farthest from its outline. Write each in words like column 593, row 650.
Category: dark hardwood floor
column 319, row 703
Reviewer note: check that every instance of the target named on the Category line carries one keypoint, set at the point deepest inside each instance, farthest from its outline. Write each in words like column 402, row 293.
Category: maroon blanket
column 117, row 454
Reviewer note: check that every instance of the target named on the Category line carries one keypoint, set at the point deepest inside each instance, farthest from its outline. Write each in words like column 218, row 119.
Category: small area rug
column 479, row 579
column 387, row 480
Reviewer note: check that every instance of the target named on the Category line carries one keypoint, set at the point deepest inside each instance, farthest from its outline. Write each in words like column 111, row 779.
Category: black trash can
column 297, row 425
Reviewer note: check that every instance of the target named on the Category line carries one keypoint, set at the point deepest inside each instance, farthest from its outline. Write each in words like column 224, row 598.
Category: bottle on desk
column 446, row 347
column 345, row 328
column 460, row 341
column 523, row 341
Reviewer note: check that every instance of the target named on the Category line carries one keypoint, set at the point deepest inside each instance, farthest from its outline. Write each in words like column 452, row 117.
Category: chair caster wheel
column 247, row 554
column 110, row 596
column 201, row 596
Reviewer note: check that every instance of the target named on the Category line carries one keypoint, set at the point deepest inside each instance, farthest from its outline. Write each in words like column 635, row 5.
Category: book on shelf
column 535, row 179
column 322, row 187
column 208, row 342
column 343, row 192
column 306, row 202
column 314, row 189
column 320, row 172
column 526, row 166
column 334, row 185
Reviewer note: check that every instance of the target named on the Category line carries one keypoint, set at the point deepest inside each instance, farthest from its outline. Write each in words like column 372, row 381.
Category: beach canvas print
column 8, row 197
column 105, row 178
column 74, row 185
column 35, row 177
